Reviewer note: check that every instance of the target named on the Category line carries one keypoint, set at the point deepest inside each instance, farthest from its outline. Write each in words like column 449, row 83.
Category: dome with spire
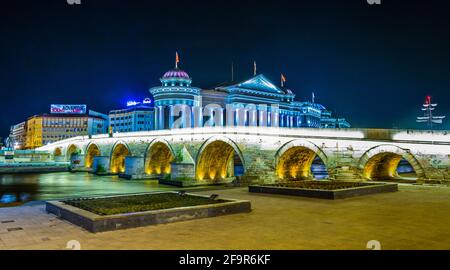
column 176, row 73
column 176, row 77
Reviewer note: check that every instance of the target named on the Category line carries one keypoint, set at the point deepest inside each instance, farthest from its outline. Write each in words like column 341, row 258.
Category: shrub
column 101, row 169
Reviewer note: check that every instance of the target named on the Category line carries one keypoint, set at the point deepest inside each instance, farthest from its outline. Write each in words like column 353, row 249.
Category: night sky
column 373, row 65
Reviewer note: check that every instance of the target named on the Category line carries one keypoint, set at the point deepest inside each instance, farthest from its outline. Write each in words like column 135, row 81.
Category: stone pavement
column 416, row 217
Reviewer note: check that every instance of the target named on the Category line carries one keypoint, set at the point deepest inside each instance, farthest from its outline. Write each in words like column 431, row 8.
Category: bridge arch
column 294, row 159
column 119, row 152
column 158, row 156
column 381, row 162
column 57, row 152
column 71, row 150
column 216, row 159
column 92, row 150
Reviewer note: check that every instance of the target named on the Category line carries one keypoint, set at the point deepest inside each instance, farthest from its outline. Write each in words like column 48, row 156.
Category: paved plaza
column 416, row 217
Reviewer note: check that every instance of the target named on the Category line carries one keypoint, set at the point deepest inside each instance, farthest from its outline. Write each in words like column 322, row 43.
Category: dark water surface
column 22, row 188
column 16, row 189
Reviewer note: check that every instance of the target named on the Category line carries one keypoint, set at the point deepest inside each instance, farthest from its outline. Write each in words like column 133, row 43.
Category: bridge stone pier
column 266, row 154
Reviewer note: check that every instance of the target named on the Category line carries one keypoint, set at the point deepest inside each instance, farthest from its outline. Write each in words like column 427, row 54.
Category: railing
column 345, row 133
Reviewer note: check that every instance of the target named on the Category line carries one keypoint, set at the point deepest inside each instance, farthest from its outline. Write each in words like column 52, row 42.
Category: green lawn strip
column 139, row 203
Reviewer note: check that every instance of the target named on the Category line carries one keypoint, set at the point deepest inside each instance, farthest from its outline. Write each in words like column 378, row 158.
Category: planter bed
column 192, row 183
column 130, row 211
column 324, row 189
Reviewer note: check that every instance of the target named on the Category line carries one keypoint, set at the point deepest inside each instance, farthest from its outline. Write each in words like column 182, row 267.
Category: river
column 16, row 189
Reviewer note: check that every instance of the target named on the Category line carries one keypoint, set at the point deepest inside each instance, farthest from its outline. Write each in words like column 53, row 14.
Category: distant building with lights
column 327, row 121
column 64, row 121
column 17, row 135
column 138, row 116
column 48, row 128
column 176, row 89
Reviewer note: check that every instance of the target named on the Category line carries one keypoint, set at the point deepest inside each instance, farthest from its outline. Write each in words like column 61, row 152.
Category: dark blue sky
column 371, row 64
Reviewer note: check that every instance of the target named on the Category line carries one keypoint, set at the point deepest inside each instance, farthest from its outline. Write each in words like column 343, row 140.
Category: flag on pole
column 313, row 97
column 177, row 59
column 254, row 68
column 283, row 80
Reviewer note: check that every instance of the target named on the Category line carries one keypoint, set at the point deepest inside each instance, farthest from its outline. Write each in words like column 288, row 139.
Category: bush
column 178, row 156
column 101, row 169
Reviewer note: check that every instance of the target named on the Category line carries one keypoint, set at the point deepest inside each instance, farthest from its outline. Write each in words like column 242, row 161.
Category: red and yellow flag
column 177, row 59
column 283, row 79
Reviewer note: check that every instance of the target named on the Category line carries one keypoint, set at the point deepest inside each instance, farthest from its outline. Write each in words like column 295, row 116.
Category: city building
column 17, row 136
column 97, row 123
column 327, row 121
column 64, row 121
column 138, row 116
column 258, row 92
column 175, row 89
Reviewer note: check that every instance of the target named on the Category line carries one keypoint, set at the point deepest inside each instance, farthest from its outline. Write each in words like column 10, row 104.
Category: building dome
column 175, row 73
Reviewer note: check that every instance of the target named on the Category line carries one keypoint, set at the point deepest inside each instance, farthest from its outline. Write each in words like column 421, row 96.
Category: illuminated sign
column 134, row 103
column 68, row 109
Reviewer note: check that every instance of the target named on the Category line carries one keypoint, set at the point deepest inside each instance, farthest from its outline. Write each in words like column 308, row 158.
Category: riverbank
column 17, row 189
column 33, row 167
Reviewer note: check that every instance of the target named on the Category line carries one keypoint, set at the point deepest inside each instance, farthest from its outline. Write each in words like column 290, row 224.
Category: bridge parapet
column 356, row 154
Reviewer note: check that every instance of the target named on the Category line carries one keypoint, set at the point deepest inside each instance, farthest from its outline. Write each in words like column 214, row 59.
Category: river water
column 21, row 188
column 17, row 189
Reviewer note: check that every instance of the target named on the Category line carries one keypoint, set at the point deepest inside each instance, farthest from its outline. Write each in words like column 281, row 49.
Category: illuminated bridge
column 261, row 154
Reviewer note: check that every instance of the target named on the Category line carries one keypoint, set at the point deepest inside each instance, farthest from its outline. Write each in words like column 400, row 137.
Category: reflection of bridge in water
column 260, row 154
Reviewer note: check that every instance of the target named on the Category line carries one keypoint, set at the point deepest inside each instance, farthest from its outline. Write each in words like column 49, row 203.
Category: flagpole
column 232, row 71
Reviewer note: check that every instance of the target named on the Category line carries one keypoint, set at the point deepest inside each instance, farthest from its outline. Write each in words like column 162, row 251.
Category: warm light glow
column 72, row 149
column 382, row 166
column 57, row 152
column 91, row 152
column 158, row 158
column 216, row 158
column 118, row 156
column 295, row 163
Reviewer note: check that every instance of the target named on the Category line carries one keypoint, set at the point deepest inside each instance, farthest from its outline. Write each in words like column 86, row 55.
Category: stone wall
column 344, row 157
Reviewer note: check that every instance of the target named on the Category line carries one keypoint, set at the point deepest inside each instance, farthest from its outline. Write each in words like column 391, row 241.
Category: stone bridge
column 265, row 154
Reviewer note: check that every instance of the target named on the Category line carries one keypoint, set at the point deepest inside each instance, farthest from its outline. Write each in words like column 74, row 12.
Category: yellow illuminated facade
column 48, row 128
column 34, row 132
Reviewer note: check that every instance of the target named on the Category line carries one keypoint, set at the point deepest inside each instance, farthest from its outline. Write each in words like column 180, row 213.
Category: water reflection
column 318, row 169
column 20, row 188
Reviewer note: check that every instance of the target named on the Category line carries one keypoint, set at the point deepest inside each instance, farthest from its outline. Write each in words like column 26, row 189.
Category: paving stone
column 414, row 218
